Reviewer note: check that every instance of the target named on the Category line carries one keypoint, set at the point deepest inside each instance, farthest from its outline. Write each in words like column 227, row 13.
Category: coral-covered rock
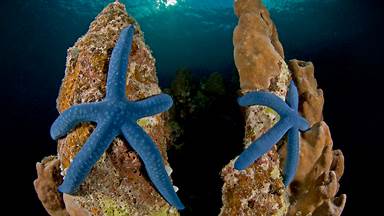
column 258, row 189
column 117, row 184
column 259, row 58
column 73, row 208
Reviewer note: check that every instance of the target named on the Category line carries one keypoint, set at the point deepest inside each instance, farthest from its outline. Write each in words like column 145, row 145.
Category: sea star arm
column 293, row 97
column 293, row 101
column 292, row 157
column 265, row 99
column 150, row 155
column 291, row 121
column 300, row 122
column 262, row 144
column 118, row 65
column 108, row 115
column 83, row 162
column 153, row 105
column 73, row 116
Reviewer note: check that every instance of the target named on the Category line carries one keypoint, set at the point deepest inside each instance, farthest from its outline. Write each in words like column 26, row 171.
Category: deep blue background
column 341, row 37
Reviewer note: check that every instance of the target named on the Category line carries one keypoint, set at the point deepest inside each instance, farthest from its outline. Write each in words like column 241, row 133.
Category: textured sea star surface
column 116, row 115
column 290, row 122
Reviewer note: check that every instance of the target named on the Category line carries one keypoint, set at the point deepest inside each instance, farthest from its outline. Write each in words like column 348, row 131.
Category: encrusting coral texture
column 115, row 115
column 258, row 190
column 118, row 183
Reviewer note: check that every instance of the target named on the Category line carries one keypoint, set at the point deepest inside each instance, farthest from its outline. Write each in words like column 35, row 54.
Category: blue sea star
column 290, row 121
column 116, row 115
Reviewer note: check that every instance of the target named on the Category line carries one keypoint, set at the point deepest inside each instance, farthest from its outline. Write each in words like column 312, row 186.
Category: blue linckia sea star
column 116, row 115
column 290, row 121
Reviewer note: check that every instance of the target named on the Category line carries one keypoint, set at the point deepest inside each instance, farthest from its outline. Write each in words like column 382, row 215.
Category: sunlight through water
column 197, row 34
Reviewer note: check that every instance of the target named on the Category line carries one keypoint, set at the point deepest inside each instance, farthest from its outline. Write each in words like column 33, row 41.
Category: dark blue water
column 184, row 33
column 341, row 37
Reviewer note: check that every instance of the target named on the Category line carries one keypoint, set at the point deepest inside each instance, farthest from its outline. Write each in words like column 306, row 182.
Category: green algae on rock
column 117, row 184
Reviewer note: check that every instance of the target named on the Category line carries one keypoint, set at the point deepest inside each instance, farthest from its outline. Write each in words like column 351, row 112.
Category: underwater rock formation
column 118, row 183
column 259, row 190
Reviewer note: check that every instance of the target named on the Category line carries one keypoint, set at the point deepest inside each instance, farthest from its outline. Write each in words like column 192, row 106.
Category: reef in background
column 117, row 184
column 206, row 121
column 259, row 190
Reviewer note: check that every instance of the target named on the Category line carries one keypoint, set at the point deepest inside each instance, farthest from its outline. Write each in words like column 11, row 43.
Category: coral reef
column 208, row 120
column 191, row 97
column 116, row 115
column 117, row 184
column 258, row 190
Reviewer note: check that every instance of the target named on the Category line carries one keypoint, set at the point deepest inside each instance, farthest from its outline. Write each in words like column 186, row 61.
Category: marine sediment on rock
column 258, row 190
column 117, row 184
